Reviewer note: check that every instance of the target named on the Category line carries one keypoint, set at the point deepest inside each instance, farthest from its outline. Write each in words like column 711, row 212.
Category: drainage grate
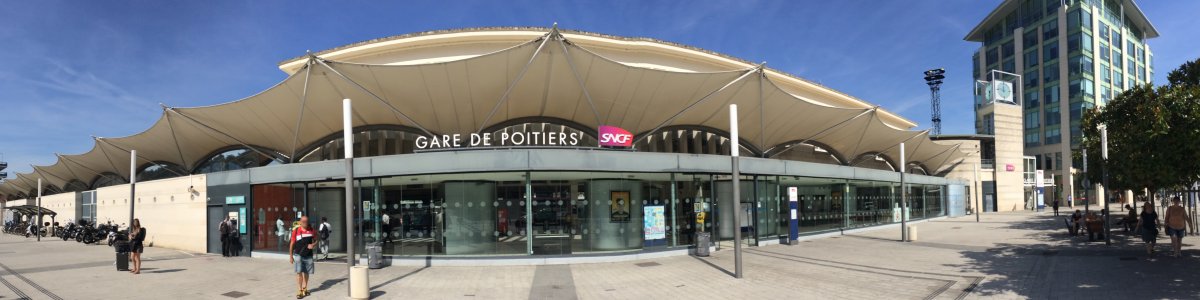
column 235, row 294
column 1128, row 258
column 648, row 264
column 955, row 227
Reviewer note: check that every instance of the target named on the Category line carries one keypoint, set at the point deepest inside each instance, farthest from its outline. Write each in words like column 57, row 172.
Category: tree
column 1153, row 134
column 1187, row 74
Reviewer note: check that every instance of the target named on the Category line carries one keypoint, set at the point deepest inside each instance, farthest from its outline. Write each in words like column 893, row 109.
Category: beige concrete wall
column 63, row 204
column 1010, row 150
column 966, row 170
column 173, row 217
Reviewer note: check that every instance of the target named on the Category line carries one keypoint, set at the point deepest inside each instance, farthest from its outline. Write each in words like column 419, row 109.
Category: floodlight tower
column 934, row 79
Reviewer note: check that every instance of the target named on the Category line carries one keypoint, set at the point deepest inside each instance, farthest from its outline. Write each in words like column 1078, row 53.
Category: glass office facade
column 570, row 212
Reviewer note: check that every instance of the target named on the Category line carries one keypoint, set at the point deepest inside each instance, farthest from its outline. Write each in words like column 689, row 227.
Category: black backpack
column 324, row 232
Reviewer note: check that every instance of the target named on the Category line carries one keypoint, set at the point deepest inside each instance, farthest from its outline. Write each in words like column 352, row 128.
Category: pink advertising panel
column 612, row 136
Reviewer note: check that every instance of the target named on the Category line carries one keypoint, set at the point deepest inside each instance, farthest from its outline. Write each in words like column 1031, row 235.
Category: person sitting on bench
column 1128, row 221
column 1074, row 224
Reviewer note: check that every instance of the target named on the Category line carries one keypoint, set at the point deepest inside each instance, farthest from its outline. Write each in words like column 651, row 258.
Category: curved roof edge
column 893, row 117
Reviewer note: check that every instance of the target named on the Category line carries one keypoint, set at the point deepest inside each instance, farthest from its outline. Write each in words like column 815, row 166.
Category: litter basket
column 122, row 249
column 703, row 241
column 374, row 256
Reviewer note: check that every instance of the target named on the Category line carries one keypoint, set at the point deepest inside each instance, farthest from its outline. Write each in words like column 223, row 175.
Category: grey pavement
column 1006, row 256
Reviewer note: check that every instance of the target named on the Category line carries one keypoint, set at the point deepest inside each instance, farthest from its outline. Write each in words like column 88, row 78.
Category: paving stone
column 1005, row 256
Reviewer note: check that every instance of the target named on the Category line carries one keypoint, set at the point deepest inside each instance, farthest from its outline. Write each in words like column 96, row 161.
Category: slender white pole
column 1104, row 181
column 348, row 145
column 38, row 226
column 734, row 145
column 978, row 195
column 903, row 198
column 132, row 183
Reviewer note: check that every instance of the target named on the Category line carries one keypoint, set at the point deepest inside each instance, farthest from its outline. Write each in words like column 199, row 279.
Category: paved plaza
column 1007, row 256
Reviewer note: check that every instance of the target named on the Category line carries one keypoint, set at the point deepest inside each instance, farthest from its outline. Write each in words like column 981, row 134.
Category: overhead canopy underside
column 548, row 77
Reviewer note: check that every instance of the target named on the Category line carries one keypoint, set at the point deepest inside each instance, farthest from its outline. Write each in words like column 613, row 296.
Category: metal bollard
column 359, row 283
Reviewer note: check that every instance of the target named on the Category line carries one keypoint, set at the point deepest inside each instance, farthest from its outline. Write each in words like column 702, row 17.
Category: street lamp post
column 1087, row 201
column 348, row 146
column 38, row 227
column 978, row 194
column 1104, row 169
column 903, row 199
column 737, row 206
column 133, row 183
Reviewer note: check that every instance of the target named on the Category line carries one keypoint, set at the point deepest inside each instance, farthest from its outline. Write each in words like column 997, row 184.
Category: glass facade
column 570, row 212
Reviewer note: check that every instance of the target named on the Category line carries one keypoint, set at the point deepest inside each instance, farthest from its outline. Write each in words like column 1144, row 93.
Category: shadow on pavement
column 377, row 294
column 390, row 281
column 165, row 271
column 327, row 284
column 1058, row 265
column 714, row 266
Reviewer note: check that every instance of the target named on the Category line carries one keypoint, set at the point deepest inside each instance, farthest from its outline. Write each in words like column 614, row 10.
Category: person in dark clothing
column 1076, row 222
column 137, row 235
column 1055, row 207
column 1148, row 227
column 235, row 238
column 223, row 230
column 1129, row 220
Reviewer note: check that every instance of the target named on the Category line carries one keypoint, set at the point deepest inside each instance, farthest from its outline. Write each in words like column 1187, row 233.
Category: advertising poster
column 654, row 223
column 619, row 206
column 242, row 220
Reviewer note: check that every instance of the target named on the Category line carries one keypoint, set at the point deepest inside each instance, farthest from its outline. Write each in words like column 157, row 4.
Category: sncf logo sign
column 612, row 136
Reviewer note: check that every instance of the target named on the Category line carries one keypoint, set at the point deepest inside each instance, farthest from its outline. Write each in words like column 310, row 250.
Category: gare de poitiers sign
column 609, row 136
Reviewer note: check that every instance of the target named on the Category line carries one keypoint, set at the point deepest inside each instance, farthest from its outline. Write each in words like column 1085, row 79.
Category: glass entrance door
column 555, row 217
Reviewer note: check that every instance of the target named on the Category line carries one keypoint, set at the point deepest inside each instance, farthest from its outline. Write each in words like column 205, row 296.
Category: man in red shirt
column 300, row 250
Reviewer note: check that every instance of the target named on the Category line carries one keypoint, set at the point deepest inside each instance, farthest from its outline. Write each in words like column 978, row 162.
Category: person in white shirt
column 324, row 231
column 280, row 232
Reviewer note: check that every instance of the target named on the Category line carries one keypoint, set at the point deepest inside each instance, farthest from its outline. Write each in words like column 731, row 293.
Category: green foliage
column 1187, row 74
column 1153, row 134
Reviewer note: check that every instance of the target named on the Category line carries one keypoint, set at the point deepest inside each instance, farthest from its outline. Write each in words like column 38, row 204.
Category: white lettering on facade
column 501, row 139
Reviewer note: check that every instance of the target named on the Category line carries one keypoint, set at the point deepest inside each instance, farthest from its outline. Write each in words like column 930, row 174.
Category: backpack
column 324, row 231
column 234, row 231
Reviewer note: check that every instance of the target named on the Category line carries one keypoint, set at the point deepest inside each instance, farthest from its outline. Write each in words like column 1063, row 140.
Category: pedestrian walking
column 1148, row 226
column 137, row 235
column 1055, row 207
column 1177, row 221
column 223, row 230
column 301, row 244
column 325, row 230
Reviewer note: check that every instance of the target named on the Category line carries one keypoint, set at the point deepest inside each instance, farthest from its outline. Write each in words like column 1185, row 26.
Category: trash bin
column 374, row 256
column 122, row 249
column 703, row 241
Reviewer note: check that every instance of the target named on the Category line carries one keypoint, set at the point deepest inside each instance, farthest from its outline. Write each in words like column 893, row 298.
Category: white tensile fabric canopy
column 549, row 78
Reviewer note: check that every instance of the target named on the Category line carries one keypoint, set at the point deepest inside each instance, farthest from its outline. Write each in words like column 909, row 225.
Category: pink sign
column 612, row 136
column 1009, row 167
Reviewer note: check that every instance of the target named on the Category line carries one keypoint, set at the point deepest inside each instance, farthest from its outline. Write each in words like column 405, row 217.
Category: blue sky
column 72, row 70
